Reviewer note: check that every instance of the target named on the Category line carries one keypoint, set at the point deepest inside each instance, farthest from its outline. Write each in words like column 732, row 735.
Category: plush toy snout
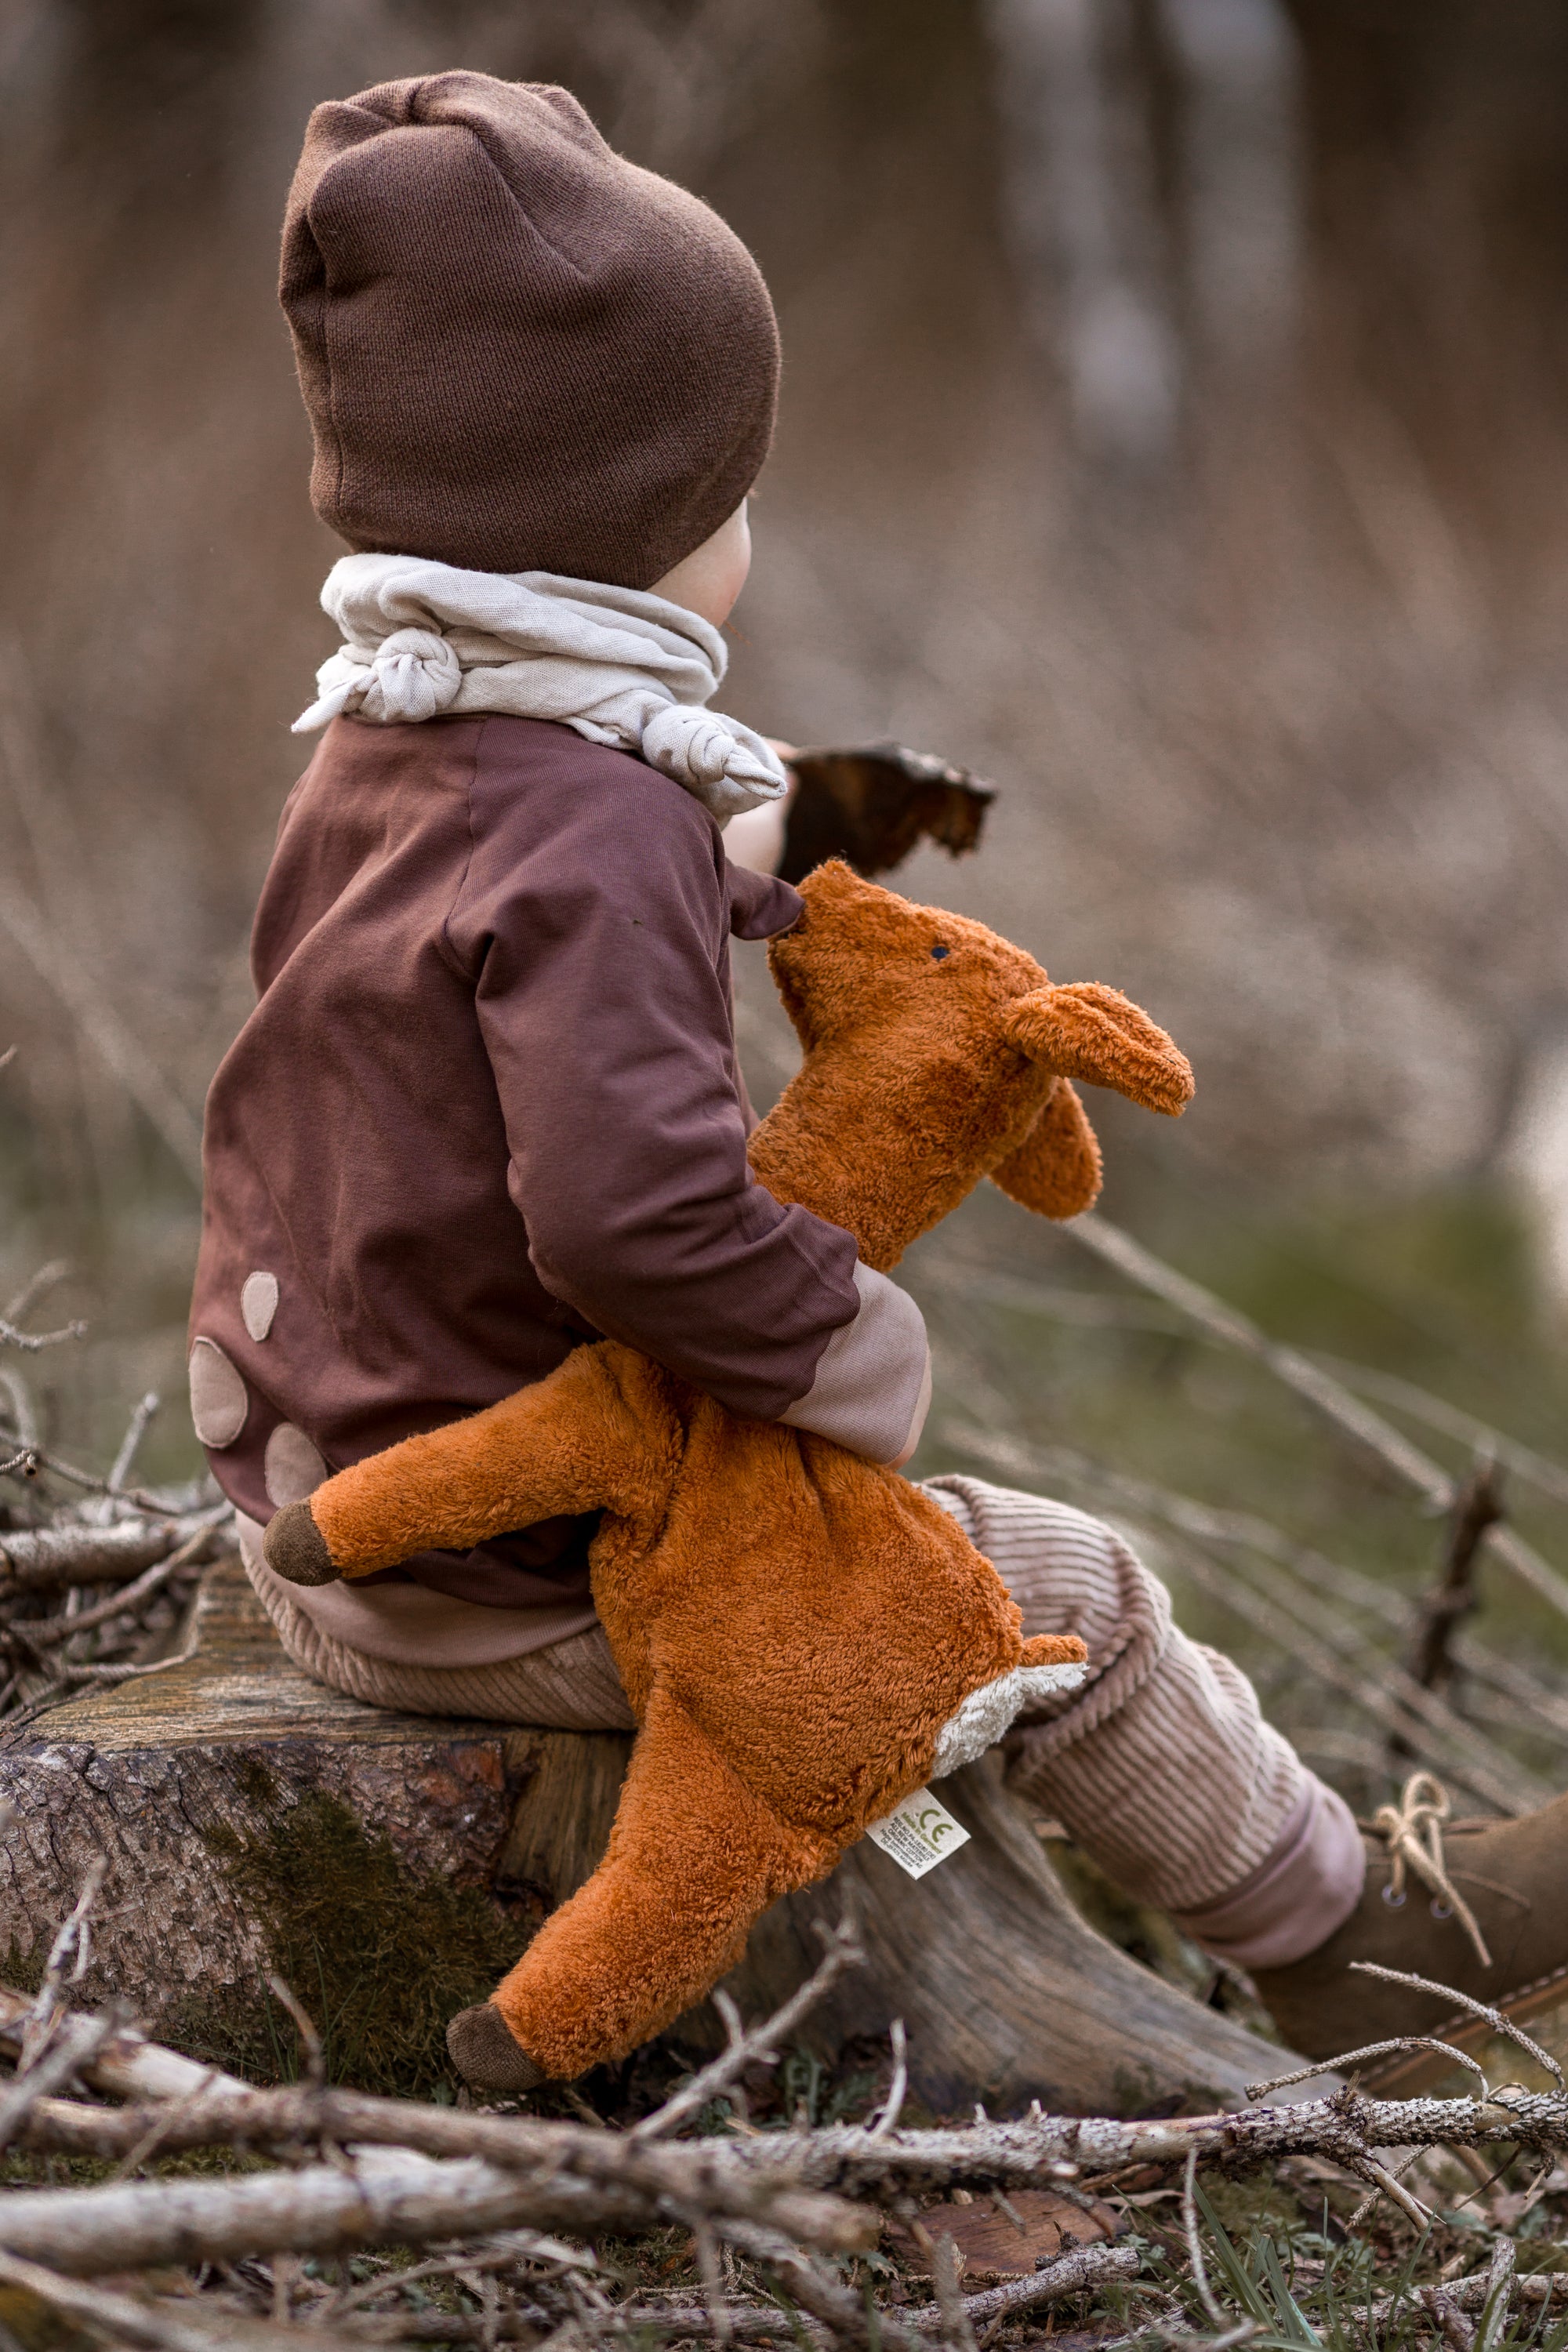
column 1054, row 1650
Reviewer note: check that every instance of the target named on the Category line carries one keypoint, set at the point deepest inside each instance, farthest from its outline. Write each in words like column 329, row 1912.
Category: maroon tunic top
column 488, row 1108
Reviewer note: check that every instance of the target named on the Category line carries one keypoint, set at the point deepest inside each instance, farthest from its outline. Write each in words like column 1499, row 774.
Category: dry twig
column 51, row 1560
column 743, row 2049
column 1419, row 1717
column 893, row 2106
column 1478, row 1506
column 1314, row 1385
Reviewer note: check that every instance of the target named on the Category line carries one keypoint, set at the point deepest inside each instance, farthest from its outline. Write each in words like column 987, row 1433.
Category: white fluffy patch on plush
column 992, row 1709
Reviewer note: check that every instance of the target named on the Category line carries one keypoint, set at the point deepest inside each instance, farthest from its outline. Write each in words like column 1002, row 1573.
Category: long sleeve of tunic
column 597, row 945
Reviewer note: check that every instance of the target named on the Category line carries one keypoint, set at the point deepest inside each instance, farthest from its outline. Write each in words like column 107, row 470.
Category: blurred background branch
column 1173, row 433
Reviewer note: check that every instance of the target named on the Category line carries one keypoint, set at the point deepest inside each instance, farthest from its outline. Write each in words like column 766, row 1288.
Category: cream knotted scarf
column 619, row 664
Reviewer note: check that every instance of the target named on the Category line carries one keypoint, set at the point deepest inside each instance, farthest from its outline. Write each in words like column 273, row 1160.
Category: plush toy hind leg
column 566, row 1445
column 693, row 1861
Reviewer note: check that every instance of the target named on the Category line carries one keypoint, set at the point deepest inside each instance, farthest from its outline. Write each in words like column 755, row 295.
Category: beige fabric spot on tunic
column 218, row 1399
column 259, row 1303
column 291, row 1468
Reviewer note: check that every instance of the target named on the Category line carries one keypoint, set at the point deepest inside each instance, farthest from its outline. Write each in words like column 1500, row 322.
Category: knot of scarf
column 619, row 666
column 414, row 674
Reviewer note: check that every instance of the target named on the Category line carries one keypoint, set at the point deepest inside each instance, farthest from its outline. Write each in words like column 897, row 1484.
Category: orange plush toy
column 805, row 1639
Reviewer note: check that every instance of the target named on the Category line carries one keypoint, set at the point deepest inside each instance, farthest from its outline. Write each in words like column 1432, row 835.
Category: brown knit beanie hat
column 518, row 352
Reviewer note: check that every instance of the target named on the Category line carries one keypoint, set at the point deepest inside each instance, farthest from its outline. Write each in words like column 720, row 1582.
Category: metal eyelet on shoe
column 1395, row 1901
column 1440, row 1910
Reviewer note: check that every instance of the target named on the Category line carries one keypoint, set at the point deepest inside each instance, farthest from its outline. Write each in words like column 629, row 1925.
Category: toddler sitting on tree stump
column 488, row 1108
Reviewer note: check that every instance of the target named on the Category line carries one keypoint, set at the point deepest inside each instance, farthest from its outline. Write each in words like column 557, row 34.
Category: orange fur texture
column 794, row 1626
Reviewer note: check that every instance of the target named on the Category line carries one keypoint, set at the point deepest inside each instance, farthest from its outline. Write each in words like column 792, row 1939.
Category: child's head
column 518, row 352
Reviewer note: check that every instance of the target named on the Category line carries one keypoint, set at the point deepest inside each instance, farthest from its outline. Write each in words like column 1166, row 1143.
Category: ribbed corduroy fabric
column 571, row 1685
column 1161, row 1768
column 1175, row 1707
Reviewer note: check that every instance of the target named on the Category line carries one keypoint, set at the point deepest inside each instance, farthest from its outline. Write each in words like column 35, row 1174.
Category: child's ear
column 1056, row 1171
column 1097, row 1034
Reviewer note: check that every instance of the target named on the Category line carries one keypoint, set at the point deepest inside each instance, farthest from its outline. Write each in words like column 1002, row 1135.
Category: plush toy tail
column 1054, row 1650
column 694, row 1859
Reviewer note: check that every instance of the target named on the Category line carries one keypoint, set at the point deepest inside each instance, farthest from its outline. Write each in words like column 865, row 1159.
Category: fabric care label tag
column 920, row 1834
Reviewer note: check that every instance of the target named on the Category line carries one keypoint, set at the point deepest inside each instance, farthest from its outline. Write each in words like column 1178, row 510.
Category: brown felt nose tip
column 296, row 1549
column 486, row 2052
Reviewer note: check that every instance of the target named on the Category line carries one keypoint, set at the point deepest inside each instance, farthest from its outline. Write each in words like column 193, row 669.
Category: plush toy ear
column 1097, row 1034
column 1056, row 1171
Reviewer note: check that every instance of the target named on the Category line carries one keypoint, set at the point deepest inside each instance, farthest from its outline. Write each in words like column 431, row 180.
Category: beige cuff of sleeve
column 872, row 1389
column 1302, row 1890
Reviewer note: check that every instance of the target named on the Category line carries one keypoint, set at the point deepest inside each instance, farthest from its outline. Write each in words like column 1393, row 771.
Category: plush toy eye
column 938, row 952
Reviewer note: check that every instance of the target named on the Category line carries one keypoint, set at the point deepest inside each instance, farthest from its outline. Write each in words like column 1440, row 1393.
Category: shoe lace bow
column 1412, row 1830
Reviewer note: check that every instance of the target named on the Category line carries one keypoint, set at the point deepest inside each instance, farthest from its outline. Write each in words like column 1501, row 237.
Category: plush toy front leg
column 566, row 1445
column 694, row 1859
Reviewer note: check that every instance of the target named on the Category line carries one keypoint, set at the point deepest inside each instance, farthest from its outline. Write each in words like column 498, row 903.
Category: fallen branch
column 48, row 1633
column 1039, row 2151
column 1477, row 1507
column 76, row 2042
column 1506, row 2027
column 141, row 1415
column 72, row 1678
column 160, row 2325
column 1079, row 2273
column 840, row 2311
column 1534, row 2286
column 1455, row 2329
column 579, row 2182
column 1032, row 2153
column 31, row 1341
column 128, row 2066
column 51, row 1560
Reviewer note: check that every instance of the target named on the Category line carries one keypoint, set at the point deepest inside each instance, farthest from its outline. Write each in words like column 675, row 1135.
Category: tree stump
column 390, row 1867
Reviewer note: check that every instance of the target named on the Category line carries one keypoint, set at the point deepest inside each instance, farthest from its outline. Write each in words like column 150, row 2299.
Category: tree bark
column 254, row 1821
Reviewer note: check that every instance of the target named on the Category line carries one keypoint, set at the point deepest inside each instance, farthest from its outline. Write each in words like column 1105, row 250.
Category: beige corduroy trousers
column 1162, row 1767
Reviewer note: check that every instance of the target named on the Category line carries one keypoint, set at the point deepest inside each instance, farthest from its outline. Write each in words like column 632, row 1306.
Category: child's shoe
column 1480, row 1906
